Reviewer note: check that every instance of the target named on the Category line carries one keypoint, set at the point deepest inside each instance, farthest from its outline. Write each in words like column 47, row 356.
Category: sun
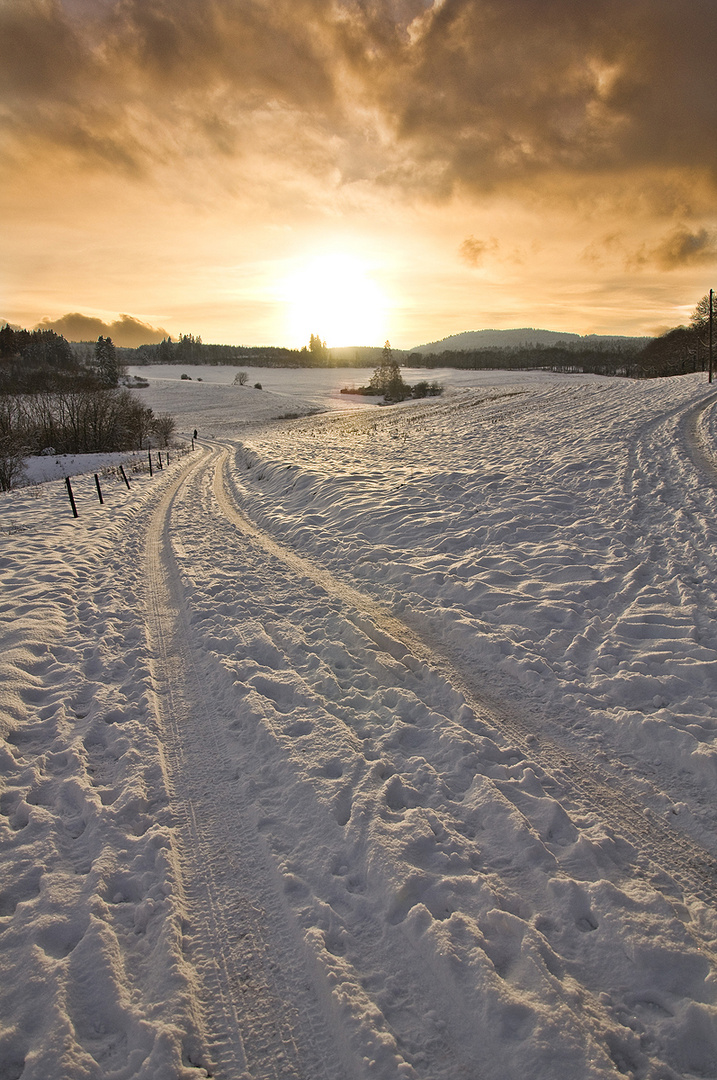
column 336, row 297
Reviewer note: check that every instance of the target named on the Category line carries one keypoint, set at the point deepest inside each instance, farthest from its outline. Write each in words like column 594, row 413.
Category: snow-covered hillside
column 369, row 743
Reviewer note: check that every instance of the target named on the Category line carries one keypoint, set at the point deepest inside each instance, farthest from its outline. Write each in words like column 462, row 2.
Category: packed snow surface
column 366, row 742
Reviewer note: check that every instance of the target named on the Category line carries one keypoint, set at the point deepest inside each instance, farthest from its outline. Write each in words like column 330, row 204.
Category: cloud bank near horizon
column 126, row 330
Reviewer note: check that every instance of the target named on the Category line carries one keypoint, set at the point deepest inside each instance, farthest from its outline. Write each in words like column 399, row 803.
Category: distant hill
column 507, row 339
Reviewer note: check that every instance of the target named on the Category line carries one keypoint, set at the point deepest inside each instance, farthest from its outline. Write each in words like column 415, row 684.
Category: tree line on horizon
column 43, row 359
column 190, row 349
column 608, row 359
column 616, row 360
column 677, row 352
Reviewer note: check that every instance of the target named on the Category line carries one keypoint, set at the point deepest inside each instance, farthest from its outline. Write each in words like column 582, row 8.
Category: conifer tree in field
column 318, row 349
column 106, row 364
column 387, row 379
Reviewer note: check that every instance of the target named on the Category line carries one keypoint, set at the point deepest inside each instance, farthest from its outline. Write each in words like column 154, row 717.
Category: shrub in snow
column 425, row 389
column 12, row 464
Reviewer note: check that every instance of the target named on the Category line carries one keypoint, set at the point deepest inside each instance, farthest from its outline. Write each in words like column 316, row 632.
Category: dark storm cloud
column 681, row 247
column 148, row 80
column 255, row 52
column 477, row 93
column 512, row 89
column 55, row 91
column 684, row 247
column 41, row 56
column 126, row 330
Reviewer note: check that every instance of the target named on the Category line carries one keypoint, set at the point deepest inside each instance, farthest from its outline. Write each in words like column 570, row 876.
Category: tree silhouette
column 387, row 379
column 318, row 349
column 701, row 316
column 106, row 366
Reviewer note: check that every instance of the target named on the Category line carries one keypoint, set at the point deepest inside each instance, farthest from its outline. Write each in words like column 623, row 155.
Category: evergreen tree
column 106, row 365
column 165, row 351
column 387, row 379
column 7, row 341
column 318, row 349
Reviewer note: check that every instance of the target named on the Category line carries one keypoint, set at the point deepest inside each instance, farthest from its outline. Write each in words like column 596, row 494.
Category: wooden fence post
column 72, row 497
column 124, row 476
column 99, row 489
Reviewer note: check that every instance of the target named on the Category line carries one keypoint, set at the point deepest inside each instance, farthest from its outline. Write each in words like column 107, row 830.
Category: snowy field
column 367, row 742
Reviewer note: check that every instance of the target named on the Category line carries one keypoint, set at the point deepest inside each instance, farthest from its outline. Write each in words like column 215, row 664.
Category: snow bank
column 556, row 534
column 94, row 982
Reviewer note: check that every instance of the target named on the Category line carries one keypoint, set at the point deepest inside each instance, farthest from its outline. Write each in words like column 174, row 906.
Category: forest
column 188, row 349
column 55, row 397
column 614, row 359
column 618, row 360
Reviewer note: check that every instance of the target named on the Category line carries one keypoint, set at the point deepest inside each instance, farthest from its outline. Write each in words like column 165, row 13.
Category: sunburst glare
column 336, row 297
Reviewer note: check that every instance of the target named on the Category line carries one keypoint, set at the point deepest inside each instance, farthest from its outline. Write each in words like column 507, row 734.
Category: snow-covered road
column 372, row 744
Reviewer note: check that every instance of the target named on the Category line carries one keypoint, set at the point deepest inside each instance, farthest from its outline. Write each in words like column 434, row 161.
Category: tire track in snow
column 376, row 1031
column 668, row 859
column 669, row 489
column 692, row 433
column 381, row 1029
column 261, row 1018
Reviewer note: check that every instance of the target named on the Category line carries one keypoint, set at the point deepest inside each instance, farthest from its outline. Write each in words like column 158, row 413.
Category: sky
column 255, row 171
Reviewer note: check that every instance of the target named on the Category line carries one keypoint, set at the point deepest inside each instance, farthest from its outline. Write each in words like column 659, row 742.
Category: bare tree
column 163, row 427
column 701, row 316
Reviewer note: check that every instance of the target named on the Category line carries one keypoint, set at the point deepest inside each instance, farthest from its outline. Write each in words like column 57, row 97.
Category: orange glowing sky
column 254, row 171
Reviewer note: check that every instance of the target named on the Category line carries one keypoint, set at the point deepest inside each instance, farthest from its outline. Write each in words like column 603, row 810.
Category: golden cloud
column 126, row 330
column 683, row 247
column 473, row 251
column 478, row 92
